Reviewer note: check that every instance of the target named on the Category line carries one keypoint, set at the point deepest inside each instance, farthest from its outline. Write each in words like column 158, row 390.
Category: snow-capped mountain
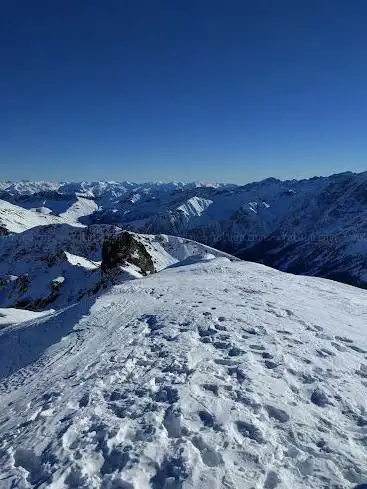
column 326, row 236
column 211, row 375
column 314, row 226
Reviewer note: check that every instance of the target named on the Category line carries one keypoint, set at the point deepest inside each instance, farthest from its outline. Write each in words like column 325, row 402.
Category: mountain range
column 312, row 227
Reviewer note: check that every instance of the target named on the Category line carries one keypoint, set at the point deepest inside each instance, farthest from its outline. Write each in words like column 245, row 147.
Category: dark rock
column 122, row 249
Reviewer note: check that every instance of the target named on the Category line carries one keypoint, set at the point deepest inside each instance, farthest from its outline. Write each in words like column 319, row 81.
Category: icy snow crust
column 214, row 375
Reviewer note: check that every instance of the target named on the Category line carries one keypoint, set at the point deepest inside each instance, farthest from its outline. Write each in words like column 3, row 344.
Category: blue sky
column 182, row 90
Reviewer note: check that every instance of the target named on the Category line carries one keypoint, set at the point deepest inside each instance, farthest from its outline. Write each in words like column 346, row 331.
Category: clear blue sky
column 182, row 90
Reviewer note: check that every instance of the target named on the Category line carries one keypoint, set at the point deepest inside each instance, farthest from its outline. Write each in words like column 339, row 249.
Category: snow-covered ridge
column 214, row 375
column 56, row 265
column 96, row 189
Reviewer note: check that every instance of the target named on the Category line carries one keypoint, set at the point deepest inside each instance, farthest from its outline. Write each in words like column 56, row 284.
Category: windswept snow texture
column 213, row 375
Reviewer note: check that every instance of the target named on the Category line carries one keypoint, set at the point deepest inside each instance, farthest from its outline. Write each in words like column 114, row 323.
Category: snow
column 81, row 208
column 214, row 375
column 29, row 187
column 16, row 219
column 14, row 316
column 170, row 250
column 80, row 261
column 58, row 281
column 195, row 206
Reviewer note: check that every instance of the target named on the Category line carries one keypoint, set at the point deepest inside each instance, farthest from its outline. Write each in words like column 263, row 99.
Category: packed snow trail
column 215, row 375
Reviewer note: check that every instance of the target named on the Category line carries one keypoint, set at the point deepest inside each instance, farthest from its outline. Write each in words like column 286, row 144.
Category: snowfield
column 210, row 375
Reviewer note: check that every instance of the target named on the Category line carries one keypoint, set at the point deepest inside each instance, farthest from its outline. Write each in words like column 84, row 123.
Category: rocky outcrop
column 125, row 249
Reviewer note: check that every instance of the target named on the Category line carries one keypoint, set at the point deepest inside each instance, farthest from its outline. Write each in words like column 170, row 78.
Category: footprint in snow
column 357, row 349
column 226, row 361
column 343, row 339
column 211, row 388
column 172, row 422
column 272, row 480
column 239, row 373
column 115, row 396
column 319, row 398
column 220, row 327
column 324, row 353
column 259, row 330
column 171, row 473
column 276, row 413
column 235, row 351
column 152, row 322
column 250, row 431
column 84, row 401
column 221, row 345
column 323, row 336
column 270, row 364
column 206, row 331
column 284, row 332
column 208, row 420
column 209, row 456
column 116, row 460
column 338, row 347
column 167, row 394
column 207, row 339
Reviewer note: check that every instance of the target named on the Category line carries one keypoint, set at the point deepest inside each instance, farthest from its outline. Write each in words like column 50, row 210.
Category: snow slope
column 15, row 219
column 81, row 208
column 13, row 316
column 215, row 375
